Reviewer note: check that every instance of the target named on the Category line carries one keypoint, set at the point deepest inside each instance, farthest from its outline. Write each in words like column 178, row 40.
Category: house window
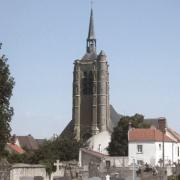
column 139, row 148
column 160, row 147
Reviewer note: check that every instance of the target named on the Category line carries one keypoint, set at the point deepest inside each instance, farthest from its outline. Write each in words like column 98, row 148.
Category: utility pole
column 163, row 134
column 162, row 128
column 133, row 169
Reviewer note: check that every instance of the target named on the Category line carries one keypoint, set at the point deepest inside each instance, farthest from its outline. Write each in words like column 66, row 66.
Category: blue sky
column 42, row 39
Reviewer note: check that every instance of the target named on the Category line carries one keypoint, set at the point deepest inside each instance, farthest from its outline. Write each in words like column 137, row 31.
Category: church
column 90, row 90
column 91, row 110
column 93, row 118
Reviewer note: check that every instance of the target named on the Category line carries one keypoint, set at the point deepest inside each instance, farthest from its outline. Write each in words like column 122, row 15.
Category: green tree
column 62, row 148
column 119, row 138
column 6, row 111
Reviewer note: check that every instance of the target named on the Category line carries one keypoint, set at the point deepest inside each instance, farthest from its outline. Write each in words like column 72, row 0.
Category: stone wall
column 28, row 172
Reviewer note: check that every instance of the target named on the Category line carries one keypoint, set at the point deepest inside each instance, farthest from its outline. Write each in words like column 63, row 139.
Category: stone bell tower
column 91, row 110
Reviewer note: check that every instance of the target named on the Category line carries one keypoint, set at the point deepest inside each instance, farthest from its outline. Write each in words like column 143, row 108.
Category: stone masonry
column 90, row 90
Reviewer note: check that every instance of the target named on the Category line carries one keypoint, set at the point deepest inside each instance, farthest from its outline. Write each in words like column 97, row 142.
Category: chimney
column 162, row 124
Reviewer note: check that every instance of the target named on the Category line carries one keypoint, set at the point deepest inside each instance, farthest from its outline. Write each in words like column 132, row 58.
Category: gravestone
column 107, row 177
column 58, row 165
column 65, row 171
column 59, row 174
column 4, row 170
column 93, row 169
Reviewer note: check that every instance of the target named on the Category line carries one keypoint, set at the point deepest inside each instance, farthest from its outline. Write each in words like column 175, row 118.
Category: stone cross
column 107, row 177
column 57, row 164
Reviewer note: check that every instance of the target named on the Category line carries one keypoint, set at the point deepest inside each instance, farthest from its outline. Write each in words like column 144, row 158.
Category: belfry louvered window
column 87, row 83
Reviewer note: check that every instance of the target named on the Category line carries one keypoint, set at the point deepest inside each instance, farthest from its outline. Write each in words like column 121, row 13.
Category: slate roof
column 28, row 142
column 150, row 134
column 91, row 33
column 68, row 130
column 114, row 119
column 89, row 56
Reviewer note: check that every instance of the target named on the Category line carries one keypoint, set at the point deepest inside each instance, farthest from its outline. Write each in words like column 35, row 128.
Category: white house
column 146, row 146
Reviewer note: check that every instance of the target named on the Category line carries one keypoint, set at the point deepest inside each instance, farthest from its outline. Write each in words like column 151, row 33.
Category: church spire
column 91, row 40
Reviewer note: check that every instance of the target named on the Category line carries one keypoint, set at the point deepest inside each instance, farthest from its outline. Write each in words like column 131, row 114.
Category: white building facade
column 146, row 146
column 99, row 142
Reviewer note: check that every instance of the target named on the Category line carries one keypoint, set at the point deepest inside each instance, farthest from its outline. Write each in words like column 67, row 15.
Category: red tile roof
column 15, row 148
column 147, row 135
